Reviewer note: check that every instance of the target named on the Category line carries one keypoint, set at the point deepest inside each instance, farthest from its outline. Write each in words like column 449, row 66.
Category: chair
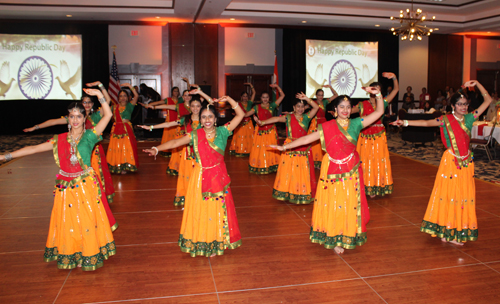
column 483, row 143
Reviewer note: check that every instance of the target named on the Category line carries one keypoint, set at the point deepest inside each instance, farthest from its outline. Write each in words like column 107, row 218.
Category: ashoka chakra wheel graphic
column 35, row 78
column 343, row 77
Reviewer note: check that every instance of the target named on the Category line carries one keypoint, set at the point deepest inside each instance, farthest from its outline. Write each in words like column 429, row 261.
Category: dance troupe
column 352, row 155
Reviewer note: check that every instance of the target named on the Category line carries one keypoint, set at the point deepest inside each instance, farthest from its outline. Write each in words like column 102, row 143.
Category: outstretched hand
column 276, row 147
column 371, row 90
column 389, row 75
column 301, row 96
column 144, row 127
column 396, row 123
column 147, row 106
column 151, row 152
column 257, row 120
column 470, row 83
column 94, row 92
column 126, row 85
column 29, row 129
column 93, row 84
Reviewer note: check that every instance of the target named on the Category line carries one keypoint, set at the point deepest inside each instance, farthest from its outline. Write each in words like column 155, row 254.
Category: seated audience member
column 424, row 97
column 408, row 103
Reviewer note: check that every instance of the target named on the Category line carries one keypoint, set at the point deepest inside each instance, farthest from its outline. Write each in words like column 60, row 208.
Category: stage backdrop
column 15, row 115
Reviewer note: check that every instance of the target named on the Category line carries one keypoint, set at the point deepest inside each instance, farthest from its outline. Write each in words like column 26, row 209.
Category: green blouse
column 220, row 140
column 272, row 107
column 127, row 113
column 354, row 128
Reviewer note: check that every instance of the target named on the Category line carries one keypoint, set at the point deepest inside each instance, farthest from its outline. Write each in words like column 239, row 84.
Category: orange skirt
column 451, row 212
column 264, row 160
column 102, row 170
column 204, row 228
column 337, row 211
column 376, row 164
column 79, row 232
column 316, row 150
column 168, row 134
column 242, row 139
column 121, row 155
column 185, row 173
column 293, row 179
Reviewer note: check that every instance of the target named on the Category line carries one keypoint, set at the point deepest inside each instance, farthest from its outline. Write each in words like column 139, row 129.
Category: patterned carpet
column 430, row 153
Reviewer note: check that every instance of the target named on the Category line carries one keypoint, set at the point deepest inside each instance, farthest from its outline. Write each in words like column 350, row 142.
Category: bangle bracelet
column 485, row 94
column 37, row 127
column 8, row 157
column 405, row 123
column 101, row 100
column 379, row 94
column 235, row 106
column 154, row 107
column 151, row 127
column 100, row 85
column 284, row 148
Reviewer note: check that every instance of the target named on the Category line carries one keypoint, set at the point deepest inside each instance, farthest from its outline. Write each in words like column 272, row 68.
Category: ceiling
column 479, row 17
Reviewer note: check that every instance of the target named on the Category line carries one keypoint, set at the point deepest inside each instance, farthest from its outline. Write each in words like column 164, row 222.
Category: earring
column 69, row 127
column 453, row 111
column 335, row 114
column 92, row 110
column 216, row 123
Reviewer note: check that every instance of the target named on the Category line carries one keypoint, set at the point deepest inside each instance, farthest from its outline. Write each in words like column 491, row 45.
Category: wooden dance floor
column 276, row 263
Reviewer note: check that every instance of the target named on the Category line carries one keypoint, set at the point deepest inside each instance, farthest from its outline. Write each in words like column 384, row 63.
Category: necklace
column 73, row 143
column 459, row 119
column 209, row 132
column 343, row 122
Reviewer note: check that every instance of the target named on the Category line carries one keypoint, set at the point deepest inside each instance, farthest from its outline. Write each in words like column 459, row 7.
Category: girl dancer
column 243, row 134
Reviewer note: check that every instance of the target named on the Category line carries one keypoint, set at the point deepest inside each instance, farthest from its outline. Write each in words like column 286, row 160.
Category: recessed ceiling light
column 436, row 29
column 488, row 32
column 377, row 25
column 69, row 16
column 304, row 21
column 157, row 17
column 232, row 19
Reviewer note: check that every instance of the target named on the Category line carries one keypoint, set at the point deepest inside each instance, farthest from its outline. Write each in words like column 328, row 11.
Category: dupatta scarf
column 215, row 180
column 264, row 114
column 459, row 136
column 344, row 162
column 375, row 129
column 296, row 129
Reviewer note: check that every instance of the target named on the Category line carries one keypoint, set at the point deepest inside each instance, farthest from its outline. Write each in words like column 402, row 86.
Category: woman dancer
column 171, row 115
column 187, row 123
column 295, row 180
column 372, row 145
column 316, row 150
column 243, row 134
column 451, row 212
column 340, row 211
column 262, row 159
column 122, row 149
column 209, row 224
column 79, row 231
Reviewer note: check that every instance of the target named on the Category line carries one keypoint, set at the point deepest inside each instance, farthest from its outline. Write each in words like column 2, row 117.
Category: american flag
column 114, row 86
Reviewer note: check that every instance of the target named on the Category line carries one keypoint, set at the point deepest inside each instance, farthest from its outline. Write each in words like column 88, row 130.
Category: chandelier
column 412, row 24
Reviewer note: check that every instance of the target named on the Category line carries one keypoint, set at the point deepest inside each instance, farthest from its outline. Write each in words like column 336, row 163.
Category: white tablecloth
column 486, row 131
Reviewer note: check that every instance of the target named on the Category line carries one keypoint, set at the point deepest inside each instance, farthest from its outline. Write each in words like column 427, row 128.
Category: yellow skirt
column 168, row 134
column 79, row 232
column 120, row 156
column 242, row 140
column 264, row 160
column 185, row 173
column 377, row 172
column 451, row 212
column 316, row 150
column 337, row 207
column 203, row 228
column 293, row 179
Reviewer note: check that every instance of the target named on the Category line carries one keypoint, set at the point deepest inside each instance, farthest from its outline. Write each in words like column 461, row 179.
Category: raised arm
column 310, row 103
column 161, row 106
column 136, row 96
column 106, row 110
column 372, row 117
column 171, row 144
column 486, row 96
column 187, row 82
column 202, row 94
column 253, row 91
column 418, row 123
column 282, row 95
column 304, row 140
column 156, row 103
column 102, row 88
column 335, row 94
column 250, row 113
column 395, row 89
column 239, row 114
column 48, row 123
column 160, row 126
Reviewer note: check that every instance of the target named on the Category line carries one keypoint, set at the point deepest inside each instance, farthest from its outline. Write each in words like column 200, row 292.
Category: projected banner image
column 346, row 66
column 40, row 67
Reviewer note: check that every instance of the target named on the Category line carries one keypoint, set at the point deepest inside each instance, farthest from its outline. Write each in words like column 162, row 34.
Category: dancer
column 171, row 115
column 187, row 123
column 98, row 160
column 209, row 224
column 243, row 134
column 79, row 231
column 295, row 180
column 340, row 211
column 451, row 212
column 372, row 145
column 316, row 150
column 122, row 149
column 262, row 159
